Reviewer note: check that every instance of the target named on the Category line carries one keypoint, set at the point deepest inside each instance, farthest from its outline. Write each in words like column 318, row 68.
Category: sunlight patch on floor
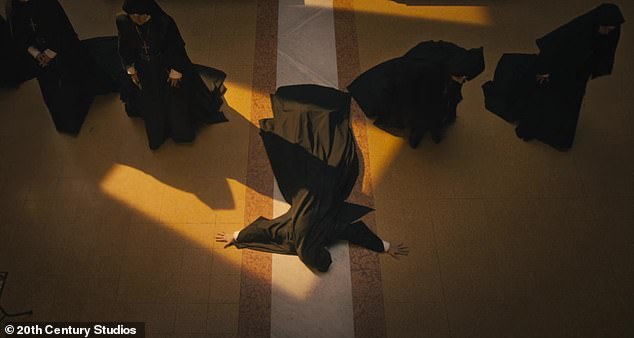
column 468, row 15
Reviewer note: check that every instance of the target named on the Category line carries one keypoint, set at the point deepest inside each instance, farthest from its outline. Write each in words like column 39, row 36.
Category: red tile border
column 255, row 285
column 365, row 269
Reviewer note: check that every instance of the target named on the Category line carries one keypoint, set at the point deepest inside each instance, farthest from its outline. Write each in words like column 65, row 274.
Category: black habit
column 7, row 56
column 156, row 49
column 571, row 56
column 312, row 152
column 416, row 90
column 71, row 80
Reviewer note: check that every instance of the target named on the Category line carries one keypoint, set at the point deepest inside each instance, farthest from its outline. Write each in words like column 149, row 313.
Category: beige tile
column 427, row 288
column 191, row 318
column 185, row 209
column 46, row 261
column 409, row 319
column 224, row 289
column 49, row 211
column 193, row 288
column 84, row 263
column 150, row 275
column 222, row 319
column 148, row 287
column 470, row 319
column 56, row 188
column 157, row 236
column 43, row 235
column 42, row 312
column 227, row 262
column 68, row 311
column 24, row 289
column 100, row 238
column 102, row 210
column 71, row 289
column 197, row 261
column 410, row 221
column 158, row 318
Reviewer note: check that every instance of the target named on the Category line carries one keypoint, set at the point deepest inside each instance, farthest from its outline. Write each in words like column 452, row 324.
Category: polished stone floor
column 507, row 238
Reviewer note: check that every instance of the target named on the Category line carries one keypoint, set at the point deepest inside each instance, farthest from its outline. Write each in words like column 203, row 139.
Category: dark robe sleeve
column 126, row 46
column 260, row 236
column 7, row 62
column 176, row 56
column 514, row 77
column 430, row 103
column 351, row 212
column 285, row 161
column 64, row 40
column 605, row 54
column 358, row 233
column 311, row 248
column 546, row 58
column 545, row 62
column 315, row 257
column 562, row 47
column 371, row 89
column 19, row 36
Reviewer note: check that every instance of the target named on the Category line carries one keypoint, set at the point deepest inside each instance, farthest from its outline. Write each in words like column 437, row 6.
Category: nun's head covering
column 469, row 63
column 142, row 7
column 609, row 15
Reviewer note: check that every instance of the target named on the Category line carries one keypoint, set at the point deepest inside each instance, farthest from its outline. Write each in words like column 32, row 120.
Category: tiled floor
column 508, row 239
column 98, row 227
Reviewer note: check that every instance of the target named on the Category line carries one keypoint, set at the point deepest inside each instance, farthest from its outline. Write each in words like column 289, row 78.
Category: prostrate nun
column 544, row 93
column 419, row 91
column 47, row 47
column 312, row 152
column 164, row 87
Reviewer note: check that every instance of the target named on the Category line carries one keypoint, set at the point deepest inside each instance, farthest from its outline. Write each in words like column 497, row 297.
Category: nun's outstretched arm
column 358, row 233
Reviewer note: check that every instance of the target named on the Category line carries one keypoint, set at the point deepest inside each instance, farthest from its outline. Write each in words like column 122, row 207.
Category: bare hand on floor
column 397, row 251
column 225, row 238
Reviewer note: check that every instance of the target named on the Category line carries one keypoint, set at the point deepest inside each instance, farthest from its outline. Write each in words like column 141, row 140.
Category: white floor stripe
column 305, row 304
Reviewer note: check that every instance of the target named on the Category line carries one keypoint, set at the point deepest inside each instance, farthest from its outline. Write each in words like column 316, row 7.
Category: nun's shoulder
column 123, row 17
column 123, row 20
column 49, row 5
column 167, row 20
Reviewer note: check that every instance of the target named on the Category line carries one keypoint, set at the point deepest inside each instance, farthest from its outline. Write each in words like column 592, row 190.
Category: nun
column 47, row 47
column 419, row 91
column 313, row 154
column 544, row 93
column 163, row 86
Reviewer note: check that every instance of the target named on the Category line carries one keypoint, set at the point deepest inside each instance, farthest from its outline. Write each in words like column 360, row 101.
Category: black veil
column 574, row 41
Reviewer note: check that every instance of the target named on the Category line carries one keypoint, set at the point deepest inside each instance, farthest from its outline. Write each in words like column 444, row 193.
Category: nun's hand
column 174, row 83
column 542, row 78
column 174, row 78
column 136, row 80
column 225, row 238
column 43, row 59
column 397, row 251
